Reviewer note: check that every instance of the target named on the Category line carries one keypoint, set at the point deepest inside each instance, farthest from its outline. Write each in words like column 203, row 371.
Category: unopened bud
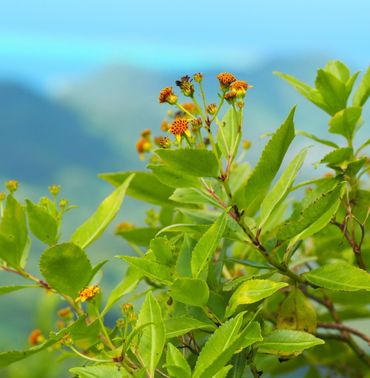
column 12, row 185
column 211, row 109
column 198, row 77
column 54, row 189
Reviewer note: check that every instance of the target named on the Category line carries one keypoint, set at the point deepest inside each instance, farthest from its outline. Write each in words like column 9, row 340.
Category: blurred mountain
column 41, row 137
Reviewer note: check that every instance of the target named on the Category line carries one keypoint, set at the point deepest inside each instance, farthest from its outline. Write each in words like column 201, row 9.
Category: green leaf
column 192, row 196
column 183, row 263
column 14, row 241
column 339, row 276
column 338, row 157
column 363, row 91
column 332, row 90
column 162, row 250
column 222, row 373
column 338, row 69
column 191, row 291
column 42, row 224
column 305, row 90
column 180, row 326
column 199, row 163
column 252, row 291
column 176, row 364
column 282, row 186
column 223, row 343
column 325, row 142
column 228, row 133
column 172, row 177
column 151, row 269
column 128, row 283
column 345, row 122
column 288, row 342
column 314, row 212
column 140, row 235
column 9, row 289
column 252, row 194
column 66, row 268
column 144, row 186
column 297, row 313
column 207, row 245
column 100, row 371
column 196, row 229
column 152, row 339
column 93, row 227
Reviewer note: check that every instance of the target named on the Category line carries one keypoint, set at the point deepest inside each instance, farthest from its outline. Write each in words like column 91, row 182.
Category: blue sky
column 43, row 40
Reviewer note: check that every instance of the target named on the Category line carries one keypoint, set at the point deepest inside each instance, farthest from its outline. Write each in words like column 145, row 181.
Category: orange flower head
column 167, row 95
column 146, row 133
column 179, row 127
column 36, row 337
column 88, row 293
column 225, row 79
column 190, row 107
column 143, row 145
column 239, row 87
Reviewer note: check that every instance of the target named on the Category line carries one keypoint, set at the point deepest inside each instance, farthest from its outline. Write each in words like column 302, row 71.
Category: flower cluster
column 186, row 120
column 88, row 293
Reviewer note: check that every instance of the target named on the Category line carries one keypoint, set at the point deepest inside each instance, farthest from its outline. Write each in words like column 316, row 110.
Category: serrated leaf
column 207, row 245
column 363, row 91
column 144, row 186
column 332, row 90
column 282, row 186
column 180, row 326
column 162, row 250
column 339, row 276
column 252, row 291
column 100, row 371
column 151, row 269
column 42, row 224
column 128, row 283
column 66, row 268
column 218, row 348
column 176, row 364
column 93, row 227
column 311, row 214
column 222, row 373
column 191, row 291
column 199, row 163
column 152, row 339
column 192, row 196
column 250, row 196
column 311, row 94
column 297, row 313
column 288, row 342
column 345, row 122
column 338, row 157
column 172, row 177
column 14, row 241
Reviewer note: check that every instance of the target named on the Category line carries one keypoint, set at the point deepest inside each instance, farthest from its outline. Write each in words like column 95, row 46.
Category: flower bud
column 247, row 144
column 12, row 185
column 230, row 97
column 65, row 313
column 239, row 87
column 143, row 145
column 211, row 109
column 63, row 203
column 2, row 196
column 186, row 86
column 146, row 133
column 163, row 142
column 124, row 226
column 164, row 125
column 198, row 77
column 36, row 337
column 127, row 308
column 54, row 189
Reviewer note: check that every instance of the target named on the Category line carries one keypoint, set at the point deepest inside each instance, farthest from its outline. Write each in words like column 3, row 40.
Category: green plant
column 240, row 278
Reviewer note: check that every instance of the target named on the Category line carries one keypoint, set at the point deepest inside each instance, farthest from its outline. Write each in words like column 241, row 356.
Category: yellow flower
column 239, row 87
column 88, row 293
column 186, row 86
column 198, row 77
column 163, row 142
column 167, row 95
column 12, row 185
column 179, row 127
column 54, row 189
column 230, row 97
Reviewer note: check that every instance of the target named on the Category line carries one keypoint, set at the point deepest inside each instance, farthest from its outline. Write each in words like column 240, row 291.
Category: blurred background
column 80, row 80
